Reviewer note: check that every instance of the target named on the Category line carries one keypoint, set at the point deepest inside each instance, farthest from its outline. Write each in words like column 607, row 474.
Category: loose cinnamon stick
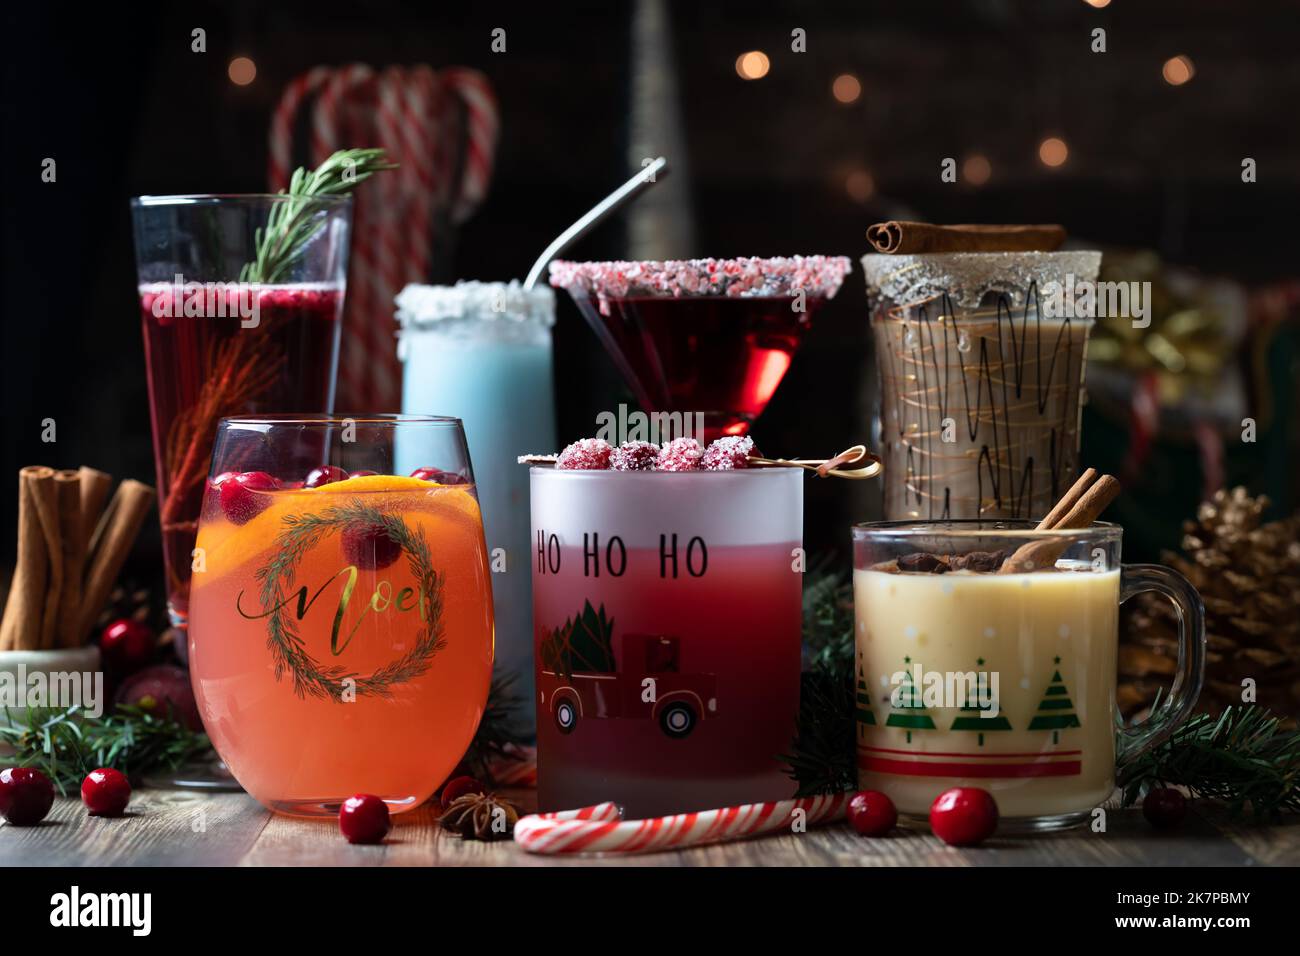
column 95, row 486
column 21, row 626
column 900, row 237
column 1037, row 555
column 45, row 499
column 72, row 543
column 116, row 534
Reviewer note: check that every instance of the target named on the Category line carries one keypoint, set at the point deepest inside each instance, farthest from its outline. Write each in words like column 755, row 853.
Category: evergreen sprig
column 1241, row 758
column 823, row 755
column 65, row 744
column 499, row 730
column 290, row 225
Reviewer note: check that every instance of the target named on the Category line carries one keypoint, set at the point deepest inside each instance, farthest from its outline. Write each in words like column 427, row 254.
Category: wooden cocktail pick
column 824, row 467
column 1078, row 508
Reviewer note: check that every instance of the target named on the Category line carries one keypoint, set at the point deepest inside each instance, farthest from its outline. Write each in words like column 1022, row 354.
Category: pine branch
column 1240, row 758
column 65, row 744
column 290, row 225
column 822, row 756
column 498, row 731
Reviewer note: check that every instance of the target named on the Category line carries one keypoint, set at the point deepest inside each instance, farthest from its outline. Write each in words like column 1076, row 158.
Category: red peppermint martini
column 713, row 336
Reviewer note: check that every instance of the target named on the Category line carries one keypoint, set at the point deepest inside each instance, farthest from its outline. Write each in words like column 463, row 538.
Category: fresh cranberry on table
column 364, row 473
column 105, row 792
column 127, row 645
column 240, row 500
column 26, row 795
column 364, row 819
column 872, row 813
column 1164, row 808
column 324, row 475
column 369, row 547
column 458, row 787
column 440, row 476
column 964, row 816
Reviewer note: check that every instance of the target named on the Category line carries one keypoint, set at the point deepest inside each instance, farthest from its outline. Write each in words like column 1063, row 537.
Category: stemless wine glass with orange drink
column 341, row 630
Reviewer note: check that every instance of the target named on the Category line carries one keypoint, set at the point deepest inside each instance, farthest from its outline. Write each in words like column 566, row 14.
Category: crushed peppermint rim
column 817, row 276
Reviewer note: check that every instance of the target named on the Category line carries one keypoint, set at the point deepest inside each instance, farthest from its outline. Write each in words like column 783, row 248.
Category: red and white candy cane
column 280, row 157
column 482, row 127
column 601, row 829
column 399, row 219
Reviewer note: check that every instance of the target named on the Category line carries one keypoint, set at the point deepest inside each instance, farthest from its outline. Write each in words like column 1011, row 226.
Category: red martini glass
column 713, row 336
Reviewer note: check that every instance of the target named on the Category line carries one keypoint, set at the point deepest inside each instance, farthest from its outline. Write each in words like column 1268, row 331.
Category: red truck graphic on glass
column 649, row 685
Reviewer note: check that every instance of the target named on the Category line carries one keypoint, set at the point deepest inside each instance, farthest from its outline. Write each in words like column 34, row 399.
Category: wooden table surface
column 189, row 828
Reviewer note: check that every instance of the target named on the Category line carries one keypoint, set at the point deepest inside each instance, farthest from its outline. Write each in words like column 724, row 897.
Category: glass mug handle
column 1135, row 740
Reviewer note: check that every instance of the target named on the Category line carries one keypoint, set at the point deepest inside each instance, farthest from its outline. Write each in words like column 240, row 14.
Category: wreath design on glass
column 310, row 677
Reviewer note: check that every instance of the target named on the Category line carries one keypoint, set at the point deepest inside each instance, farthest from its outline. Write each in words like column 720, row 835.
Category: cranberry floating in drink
column 708, row 336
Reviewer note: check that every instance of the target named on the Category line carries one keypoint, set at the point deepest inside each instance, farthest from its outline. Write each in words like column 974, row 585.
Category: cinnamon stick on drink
column 901, row 237
column 1078, row 508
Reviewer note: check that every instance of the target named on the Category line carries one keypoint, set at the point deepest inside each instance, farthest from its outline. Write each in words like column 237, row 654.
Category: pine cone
column 1248, row 575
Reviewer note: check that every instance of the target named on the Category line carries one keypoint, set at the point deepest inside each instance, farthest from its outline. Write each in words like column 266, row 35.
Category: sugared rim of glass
column 200, row 199
column 979, row 528
column 817, row 276
column 423, row 306
column 321, row 419
column 967, row 277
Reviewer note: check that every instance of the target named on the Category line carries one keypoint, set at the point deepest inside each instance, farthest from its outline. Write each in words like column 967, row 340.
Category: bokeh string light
column 846, row 88
column 242, row 71
column 1052, row 152
column 752, row 65
column 1178, row 70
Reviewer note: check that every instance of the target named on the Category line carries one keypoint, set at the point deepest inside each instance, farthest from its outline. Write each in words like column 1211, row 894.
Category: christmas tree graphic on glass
column 972, row 716
column 863, row 711
column 910, row 712
column 1055, row 711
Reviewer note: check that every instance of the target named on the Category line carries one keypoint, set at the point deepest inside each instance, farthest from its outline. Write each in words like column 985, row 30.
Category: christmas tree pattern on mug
column 579, row 678
column 1055, row 711
column 910, row 700
column 972, row 715
column 866, row 717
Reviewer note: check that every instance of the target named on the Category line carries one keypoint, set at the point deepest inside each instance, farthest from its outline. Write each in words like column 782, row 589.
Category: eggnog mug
column 966, row 676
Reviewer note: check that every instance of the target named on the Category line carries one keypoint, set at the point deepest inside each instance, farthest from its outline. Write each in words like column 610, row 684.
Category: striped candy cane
column 483, row 128
column 280, row 159
column 601, row 829
column 415, row 114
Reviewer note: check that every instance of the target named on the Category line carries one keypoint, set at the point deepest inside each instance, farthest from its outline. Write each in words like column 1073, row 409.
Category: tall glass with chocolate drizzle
column 981, row 385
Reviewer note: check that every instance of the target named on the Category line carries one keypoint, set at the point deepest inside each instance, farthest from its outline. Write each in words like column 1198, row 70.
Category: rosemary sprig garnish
column 1241, row 757
column 290, row 225
column 65, row 744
